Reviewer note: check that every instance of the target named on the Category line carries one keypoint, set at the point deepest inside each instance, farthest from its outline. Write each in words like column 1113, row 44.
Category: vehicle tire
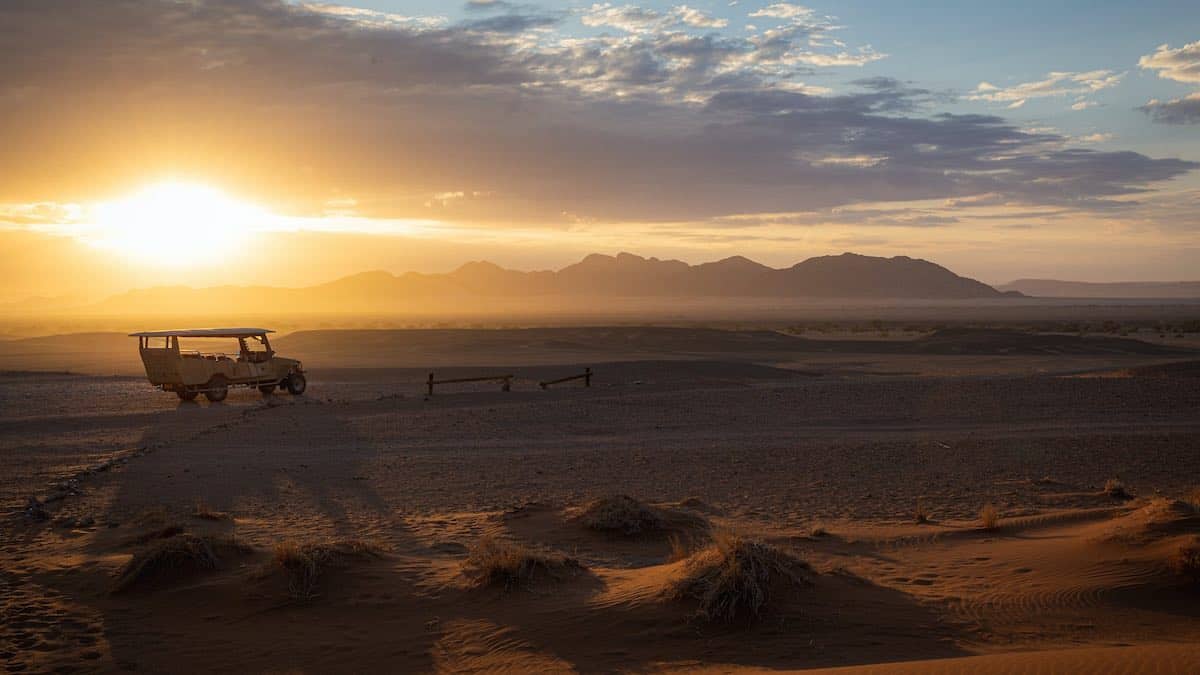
column 217, row 392
column 267, row 389
column 296, row 384
column 186, row 395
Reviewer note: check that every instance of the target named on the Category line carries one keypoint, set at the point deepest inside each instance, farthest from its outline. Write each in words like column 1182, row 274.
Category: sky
column 261, row 141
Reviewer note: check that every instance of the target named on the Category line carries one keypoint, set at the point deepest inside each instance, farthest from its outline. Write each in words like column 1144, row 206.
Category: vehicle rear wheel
column 217, row 392
column 296, row 384
column 186, row 395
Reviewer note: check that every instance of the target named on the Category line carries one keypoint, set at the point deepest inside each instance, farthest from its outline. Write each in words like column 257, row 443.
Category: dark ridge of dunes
column 109, row 353
column 697, row 341
column 972, row 341
column 1177, row 369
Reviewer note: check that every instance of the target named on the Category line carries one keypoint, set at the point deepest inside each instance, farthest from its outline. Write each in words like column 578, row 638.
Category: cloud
column 633, row 19
column 305, row 107
column 1184, row 110
column 373, row 18
column 1181, row 65
column 698, row 18
column 1054, row 84
column 784, row 10
column 672, row 54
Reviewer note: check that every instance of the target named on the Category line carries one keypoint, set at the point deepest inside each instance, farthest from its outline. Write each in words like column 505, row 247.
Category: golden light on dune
column 175, row 223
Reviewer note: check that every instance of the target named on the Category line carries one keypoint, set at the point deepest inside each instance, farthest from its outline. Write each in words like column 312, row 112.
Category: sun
column 175, row 223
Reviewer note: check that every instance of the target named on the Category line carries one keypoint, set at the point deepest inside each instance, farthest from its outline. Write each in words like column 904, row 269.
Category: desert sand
column 364, row 527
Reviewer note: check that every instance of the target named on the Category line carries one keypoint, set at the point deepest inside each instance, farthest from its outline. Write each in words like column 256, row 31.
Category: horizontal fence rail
column 505, row 379
column 586, row 376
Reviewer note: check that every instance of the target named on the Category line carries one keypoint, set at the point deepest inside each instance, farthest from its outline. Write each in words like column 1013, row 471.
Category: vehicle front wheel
column 217, row 393
column 296, row 384
column 186, row 395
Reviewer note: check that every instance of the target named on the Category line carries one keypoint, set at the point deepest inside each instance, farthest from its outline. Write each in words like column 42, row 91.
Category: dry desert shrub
column 621, row 514
column 922, row 513
column 174, row 555
column 507, row 564
column 305, row 563
column 1193, row 498
column 680, row 548
column 1186, row 562
column 989, row 517
column 627, row 516
column 204, row 512
column 734, row 577
column 1115, row 488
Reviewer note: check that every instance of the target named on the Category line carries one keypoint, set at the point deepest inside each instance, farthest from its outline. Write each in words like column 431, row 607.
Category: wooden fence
column 586, row 376
column 505, row 379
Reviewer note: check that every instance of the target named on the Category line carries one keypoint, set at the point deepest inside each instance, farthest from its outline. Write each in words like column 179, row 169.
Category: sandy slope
column 1072, row 580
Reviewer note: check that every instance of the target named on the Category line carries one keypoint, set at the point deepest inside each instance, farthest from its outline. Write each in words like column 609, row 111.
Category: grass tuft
column 680, row 548
column 175, row 555
column 1186, row 562
column 733, row 578
column 989, row 517
column 623, row 515
column 204, row 512
column 628, row 517
column 509, row 565
column 922, row 513
column 305, row 563
column 1115, row 488
column 1193, row 498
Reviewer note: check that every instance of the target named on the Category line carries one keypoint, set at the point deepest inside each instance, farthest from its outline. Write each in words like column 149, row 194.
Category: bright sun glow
column 175, row 224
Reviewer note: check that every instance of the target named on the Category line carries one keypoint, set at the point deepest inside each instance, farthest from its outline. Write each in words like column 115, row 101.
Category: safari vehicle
column 189, row 373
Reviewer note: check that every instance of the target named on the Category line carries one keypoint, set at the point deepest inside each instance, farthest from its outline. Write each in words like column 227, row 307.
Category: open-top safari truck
column 192, row 372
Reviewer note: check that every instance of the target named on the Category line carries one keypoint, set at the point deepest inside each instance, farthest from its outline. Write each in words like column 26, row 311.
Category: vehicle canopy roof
column 205, row 332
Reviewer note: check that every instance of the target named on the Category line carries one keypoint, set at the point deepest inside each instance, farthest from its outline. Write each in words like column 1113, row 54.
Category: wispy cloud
column 1054, row 84
column 375, row 19
column 634, row 19
column 1181, row 65
column 1184, row 110
column 784, row 10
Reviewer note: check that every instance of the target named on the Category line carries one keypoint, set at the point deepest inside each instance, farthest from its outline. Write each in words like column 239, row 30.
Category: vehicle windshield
column 254, row 349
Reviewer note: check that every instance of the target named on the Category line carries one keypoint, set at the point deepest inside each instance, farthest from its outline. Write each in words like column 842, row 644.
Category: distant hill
column 595, row 279
column 1052, row 288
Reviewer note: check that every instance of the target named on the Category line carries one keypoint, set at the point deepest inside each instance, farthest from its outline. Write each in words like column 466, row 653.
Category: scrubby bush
column 989, row 517
column 176, row 555
column 1186, row 562
column 510, row 565
column 735, row 577
column 1115, row 488
column 305, row 563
